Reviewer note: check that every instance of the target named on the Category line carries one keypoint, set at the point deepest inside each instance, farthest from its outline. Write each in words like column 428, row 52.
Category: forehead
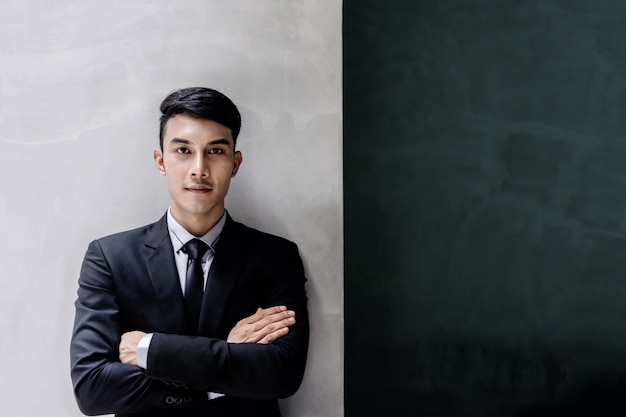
column 193, row 129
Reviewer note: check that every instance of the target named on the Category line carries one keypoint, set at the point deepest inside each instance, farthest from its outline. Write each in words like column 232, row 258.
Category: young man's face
column 198, row 161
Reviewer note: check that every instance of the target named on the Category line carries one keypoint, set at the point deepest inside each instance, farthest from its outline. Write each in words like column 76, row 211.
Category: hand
column 265, row 326
column 128, row 347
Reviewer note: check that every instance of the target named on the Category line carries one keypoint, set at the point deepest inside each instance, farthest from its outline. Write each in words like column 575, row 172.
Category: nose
column 200, row 166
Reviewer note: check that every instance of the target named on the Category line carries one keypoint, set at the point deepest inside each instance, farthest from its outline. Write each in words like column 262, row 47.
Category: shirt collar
column 180, row 236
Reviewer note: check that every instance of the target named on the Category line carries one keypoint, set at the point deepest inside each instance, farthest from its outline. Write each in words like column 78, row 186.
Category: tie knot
column 195, row 248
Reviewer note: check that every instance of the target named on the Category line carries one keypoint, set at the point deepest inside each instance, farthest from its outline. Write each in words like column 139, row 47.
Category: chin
column 201, row 210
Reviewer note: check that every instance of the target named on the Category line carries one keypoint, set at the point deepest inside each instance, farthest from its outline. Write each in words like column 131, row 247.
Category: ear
column 237, row 163
column 158, row 161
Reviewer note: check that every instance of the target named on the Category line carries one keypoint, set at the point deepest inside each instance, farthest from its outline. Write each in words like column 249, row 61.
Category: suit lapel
column 159, row 258
column 224, row 272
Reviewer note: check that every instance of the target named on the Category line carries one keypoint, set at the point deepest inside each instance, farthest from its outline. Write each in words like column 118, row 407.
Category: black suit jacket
column 129, row 281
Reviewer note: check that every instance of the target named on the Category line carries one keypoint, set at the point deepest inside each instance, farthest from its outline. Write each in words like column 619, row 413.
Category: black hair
column 203, row 103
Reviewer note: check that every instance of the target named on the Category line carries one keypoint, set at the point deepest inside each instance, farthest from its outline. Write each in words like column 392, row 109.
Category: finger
column 266, row 312
column 273, row 318
column 273, row 336
column 260, row 313
column 253, row 328
column 287, row 322
column 272, row 328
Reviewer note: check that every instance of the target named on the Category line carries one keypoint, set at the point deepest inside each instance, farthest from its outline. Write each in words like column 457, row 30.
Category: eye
column 216, row 151
column 182, row 150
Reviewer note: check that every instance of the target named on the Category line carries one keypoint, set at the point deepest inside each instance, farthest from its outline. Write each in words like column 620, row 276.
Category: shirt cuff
column 214, row 395
column 142, row 350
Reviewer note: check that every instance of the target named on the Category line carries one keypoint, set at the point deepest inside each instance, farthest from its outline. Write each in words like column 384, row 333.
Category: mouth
column 199, row 188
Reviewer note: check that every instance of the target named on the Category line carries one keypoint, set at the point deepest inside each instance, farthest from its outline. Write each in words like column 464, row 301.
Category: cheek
column 173, row 177
column 173, row 168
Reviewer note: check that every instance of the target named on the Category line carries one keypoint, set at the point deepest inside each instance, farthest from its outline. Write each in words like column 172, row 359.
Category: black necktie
column 194, row 285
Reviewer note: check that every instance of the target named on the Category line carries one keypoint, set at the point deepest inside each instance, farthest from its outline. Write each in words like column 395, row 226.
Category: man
column 196, row 314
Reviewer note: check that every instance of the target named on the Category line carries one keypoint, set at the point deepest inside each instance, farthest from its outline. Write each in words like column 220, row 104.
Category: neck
column 198, row 224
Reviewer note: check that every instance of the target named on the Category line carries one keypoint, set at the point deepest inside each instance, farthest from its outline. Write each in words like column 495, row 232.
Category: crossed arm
column 264, row 326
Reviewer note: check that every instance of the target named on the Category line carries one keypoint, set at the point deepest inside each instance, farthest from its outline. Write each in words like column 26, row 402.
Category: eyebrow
column 213, row 142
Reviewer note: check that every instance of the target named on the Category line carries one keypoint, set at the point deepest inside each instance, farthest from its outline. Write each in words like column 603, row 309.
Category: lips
column 199, row 188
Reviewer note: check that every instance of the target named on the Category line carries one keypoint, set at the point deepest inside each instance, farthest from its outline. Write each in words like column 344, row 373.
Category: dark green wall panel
column 485, row 207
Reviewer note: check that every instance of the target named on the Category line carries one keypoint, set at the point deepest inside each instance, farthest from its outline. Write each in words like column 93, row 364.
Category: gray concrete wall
column 80, row 85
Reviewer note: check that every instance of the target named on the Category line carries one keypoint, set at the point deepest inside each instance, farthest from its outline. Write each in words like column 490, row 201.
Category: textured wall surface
column 80, row 84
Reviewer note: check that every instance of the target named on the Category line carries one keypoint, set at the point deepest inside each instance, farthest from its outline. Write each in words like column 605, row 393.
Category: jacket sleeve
column 103, row 385
column 245, row 370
